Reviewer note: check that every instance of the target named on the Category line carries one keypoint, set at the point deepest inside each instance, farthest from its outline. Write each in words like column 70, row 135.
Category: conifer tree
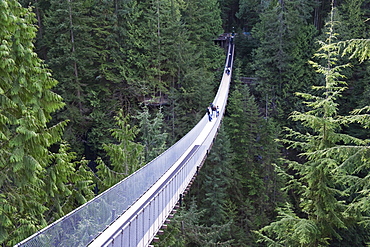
column 248, row 13
column 186, row 230
column 253, row 151
column 85, row 48
column 156, row 48
column 158, row 52
column 358, row 48
column 38, row 176
column 325, row 183
column 214, row 182
column 68, row 57
column 198, row 62
column 125, row 157
column 152, row 135
column 280, row 61
column 203, row 20
column 211, row 188
column 352, row 16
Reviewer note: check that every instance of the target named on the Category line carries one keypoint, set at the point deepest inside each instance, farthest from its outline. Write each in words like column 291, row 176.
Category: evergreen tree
column 198, row 62
column 38, row 177
column 211, row 188
column 322, row 9
column 352, row 16
column 68, row 183
column 116, row 54
column 254, row 184
column 249, row 13
column 280, row 61
column 214, row 183
column 203, row 20
column 39, row 7
column 324, row 184
column 65, row 34
column 125, row 157
column 85, row 48
column 158, row 54
column 186, row 230
column 152, row 136
column 229, row 14
column 358, row 48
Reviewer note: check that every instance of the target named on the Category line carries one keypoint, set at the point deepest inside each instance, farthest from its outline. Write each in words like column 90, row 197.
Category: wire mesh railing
column 81, row 226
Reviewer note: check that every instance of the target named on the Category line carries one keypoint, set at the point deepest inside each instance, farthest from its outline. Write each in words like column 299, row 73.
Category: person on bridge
column 228, row 71
column 209, row 113
column 217, row 111
column 213, row 108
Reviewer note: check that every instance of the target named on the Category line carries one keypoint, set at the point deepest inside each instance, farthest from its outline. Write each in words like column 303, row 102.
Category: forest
column 92, row 90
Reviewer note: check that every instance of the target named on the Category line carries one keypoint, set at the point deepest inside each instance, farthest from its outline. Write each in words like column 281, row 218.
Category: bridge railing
column 81, row 226
column 138, row 225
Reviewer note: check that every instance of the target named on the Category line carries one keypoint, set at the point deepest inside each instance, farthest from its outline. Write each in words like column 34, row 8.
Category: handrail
column 82, row 226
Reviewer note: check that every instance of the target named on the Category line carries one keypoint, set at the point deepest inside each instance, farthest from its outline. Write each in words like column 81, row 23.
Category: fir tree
column 203, row 20
column 198, row 60
column 151, row 134
column 352, row 16
column 186, row 230
column 248, row 13
column 38, row 176
column 254, row 184
column 324, row 184
column 358, row 48
column 211, row 188
column 214, row 182
column 125, row 157
column 84, row 42
column 65, row 38
column 280, row 61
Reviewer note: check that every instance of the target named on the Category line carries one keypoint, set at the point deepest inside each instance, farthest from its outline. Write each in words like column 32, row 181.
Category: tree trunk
column 74, row 62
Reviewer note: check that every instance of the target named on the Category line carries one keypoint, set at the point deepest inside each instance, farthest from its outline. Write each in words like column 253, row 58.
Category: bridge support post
column 180, row 200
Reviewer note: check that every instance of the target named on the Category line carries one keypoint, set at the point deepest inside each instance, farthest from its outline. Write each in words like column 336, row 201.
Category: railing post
column 180, row 200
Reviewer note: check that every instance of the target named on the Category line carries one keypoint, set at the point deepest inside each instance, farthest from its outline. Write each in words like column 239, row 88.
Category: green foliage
column 203, row 20
column 248, row 13
column 39, row 180
column 83, row 40
column 353, row 30
column 280, row 61
column 329, row 177
column 289, row 230
column 152, row 136
column 229, row 14
column 357, row 48
column 125, row 157
column 69, row 183
column 111, row 55
column 185, row 230
column 254, row 183
column 196, row 60
column 215, row 182
column 234, row 190
column 353, row 19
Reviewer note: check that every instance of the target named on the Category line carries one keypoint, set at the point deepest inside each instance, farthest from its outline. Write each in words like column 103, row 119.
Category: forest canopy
column 91, row 91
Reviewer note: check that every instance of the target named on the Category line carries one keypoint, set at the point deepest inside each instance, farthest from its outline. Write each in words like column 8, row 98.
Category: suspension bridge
column 133, row 212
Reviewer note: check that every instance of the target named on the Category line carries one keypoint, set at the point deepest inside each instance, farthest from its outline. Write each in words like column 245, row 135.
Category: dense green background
column 91, row 90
